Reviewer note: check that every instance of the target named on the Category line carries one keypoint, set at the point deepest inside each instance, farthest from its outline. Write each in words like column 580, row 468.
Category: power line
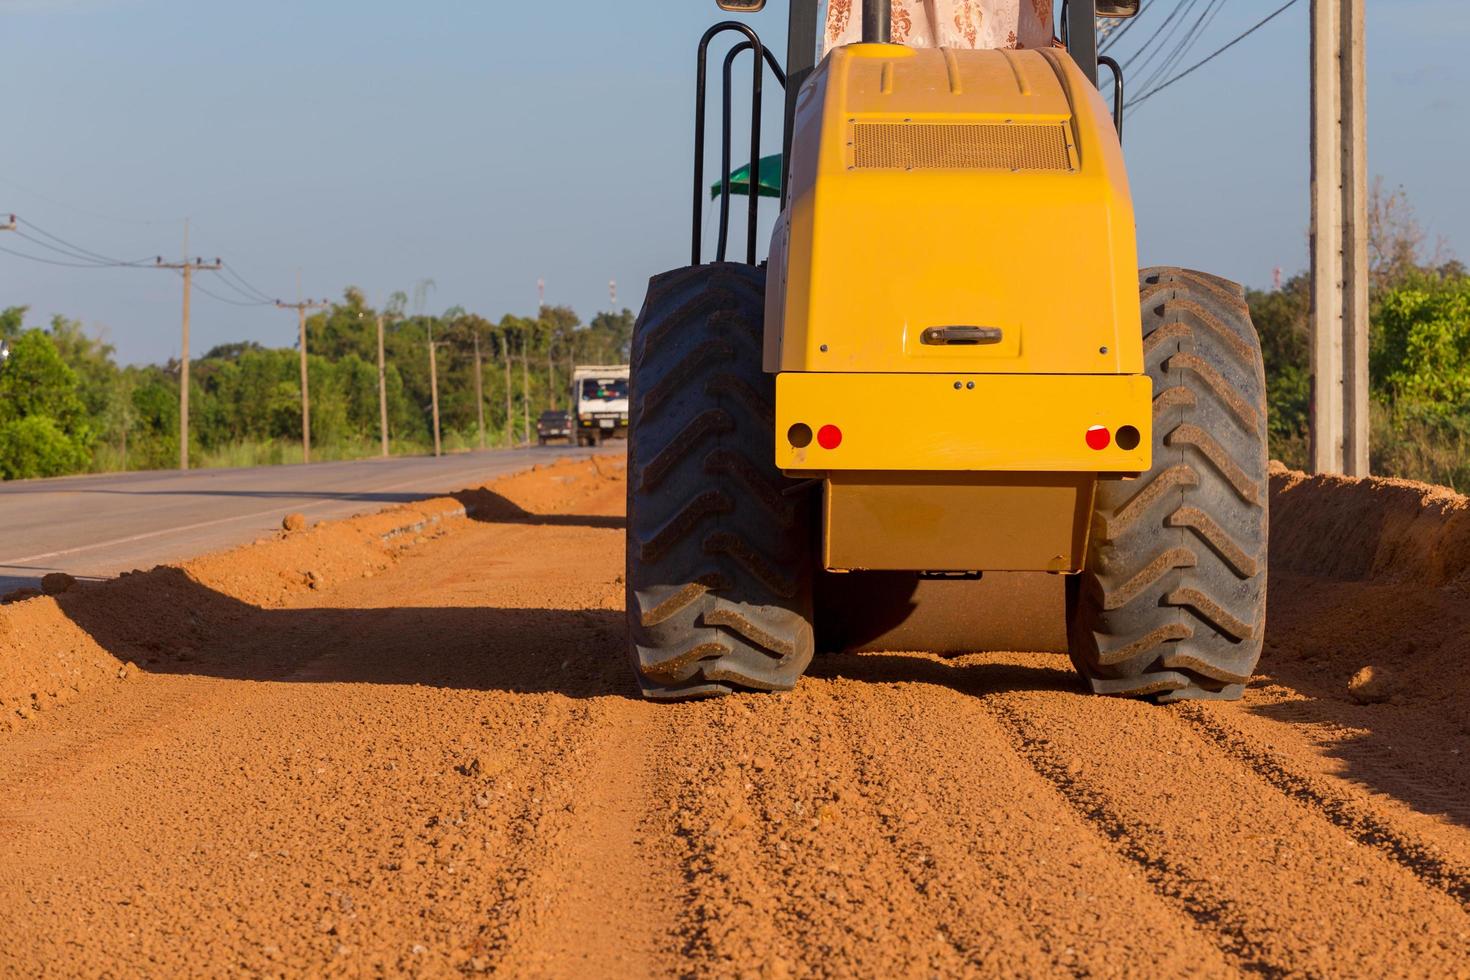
column 74, row 256
column 69, row 265
column 252, row 299
column 226, row 299
column 1128, row 24
column 1149, row 42
column 1216, row 53
column 80, row 252
column 258, row 293
column 1167, row 43
column 1184, row 45
column 81, row 258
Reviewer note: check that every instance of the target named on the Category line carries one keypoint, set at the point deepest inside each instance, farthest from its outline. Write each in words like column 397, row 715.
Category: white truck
column 599, row 403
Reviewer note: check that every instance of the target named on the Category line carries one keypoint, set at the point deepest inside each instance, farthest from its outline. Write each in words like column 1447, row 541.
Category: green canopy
column 740, row 179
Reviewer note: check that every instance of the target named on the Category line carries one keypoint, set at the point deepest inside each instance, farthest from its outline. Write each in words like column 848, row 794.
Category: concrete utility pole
column 525, row 389
column 301, row 308
column 188, row 268
column 9, row 225
column 1339, row 239
column 509, row 409
column 433, row 385
column 382, row 390
column 479, row 389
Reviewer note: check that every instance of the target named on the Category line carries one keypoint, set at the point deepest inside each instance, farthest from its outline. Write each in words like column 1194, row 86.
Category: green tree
column 1282, row 319
column 608, row 337
column 92, row 360
column 36, row 446
column 153, row 438
column 12, row 321
column 44, row 426
column 1421, row 343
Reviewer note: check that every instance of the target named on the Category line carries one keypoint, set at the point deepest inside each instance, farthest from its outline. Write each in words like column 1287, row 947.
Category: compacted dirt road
column 428, row 757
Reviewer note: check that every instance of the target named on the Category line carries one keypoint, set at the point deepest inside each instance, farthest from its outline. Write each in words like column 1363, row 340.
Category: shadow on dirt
column 1412, row 745
column 165, row 622
column 967, row 677
column 491, row 508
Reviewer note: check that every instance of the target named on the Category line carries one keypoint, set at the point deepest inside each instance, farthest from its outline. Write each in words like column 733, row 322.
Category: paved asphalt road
column 99, row 526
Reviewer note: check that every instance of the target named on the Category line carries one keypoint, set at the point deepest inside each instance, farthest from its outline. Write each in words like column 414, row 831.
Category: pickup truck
column 553, row 425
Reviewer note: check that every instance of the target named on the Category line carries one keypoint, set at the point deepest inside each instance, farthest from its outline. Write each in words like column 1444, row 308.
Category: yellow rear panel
column 964, row 422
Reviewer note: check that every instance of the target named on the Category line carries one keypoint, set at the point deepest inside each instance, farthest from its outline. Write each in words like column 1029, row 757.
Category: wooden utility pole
column 1339, row 239
column 187, row 268
column 301, row 308
column 382, row 390
column 433, row 385
column 479, row 389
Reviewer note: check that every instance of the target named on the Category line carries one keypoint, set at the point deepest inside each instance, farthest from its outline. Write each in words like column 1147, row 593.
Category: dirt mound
column 87, row 637
column 1374, row 529
column 1370, row 611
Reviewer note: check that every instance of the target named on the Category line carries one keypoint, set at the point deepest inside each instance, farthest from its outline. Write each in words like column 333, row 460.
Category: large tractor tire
column 719, row 556
column 1172, row 602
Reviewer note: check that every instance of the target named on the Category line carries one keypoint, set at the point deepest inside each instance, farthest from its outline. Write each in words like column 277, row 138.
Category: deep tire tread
column 1172, row 602
column 719, row 583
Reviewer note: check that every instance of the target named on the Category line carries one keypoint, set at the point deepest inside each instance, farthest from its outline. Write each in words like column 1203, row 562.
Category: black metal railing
column 1117, row 71
column 762, row 58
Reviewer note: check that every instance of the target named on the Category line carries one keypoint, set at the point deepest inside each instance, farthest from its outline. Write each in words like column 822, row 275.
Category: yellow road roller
column 948, row 413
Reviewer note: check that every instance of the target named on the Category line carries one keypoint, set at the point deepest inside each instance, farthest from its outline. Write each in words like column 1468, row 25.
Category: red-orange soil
column 410, row 743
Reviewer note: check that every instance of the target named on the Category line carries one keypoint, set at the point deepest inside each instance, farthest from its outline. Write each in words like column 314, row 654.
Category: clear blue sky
column 489, row 144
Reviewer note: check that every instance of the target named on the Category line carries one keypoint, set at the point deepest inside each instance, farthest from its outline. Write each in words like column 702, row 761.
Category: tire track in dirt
column 977, row 813
column 1283, row 887
column 585, row 891
column 1335, row 803
column 730, row 892
column 789, row 872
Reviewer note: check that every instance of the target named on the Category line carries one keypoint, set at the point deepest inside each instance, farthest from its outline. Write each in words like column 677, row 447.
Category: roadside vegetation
column 1419, row 353
column 67, row 406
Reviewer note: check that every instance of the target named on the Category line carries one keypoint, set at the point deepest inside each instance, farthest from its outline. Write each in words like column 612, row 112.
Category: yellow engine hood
column 935, row 188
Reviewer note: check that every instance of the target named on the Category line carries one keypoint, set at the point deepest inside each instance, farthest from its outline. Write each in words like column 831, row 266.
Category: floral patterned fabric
column 949, row 23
